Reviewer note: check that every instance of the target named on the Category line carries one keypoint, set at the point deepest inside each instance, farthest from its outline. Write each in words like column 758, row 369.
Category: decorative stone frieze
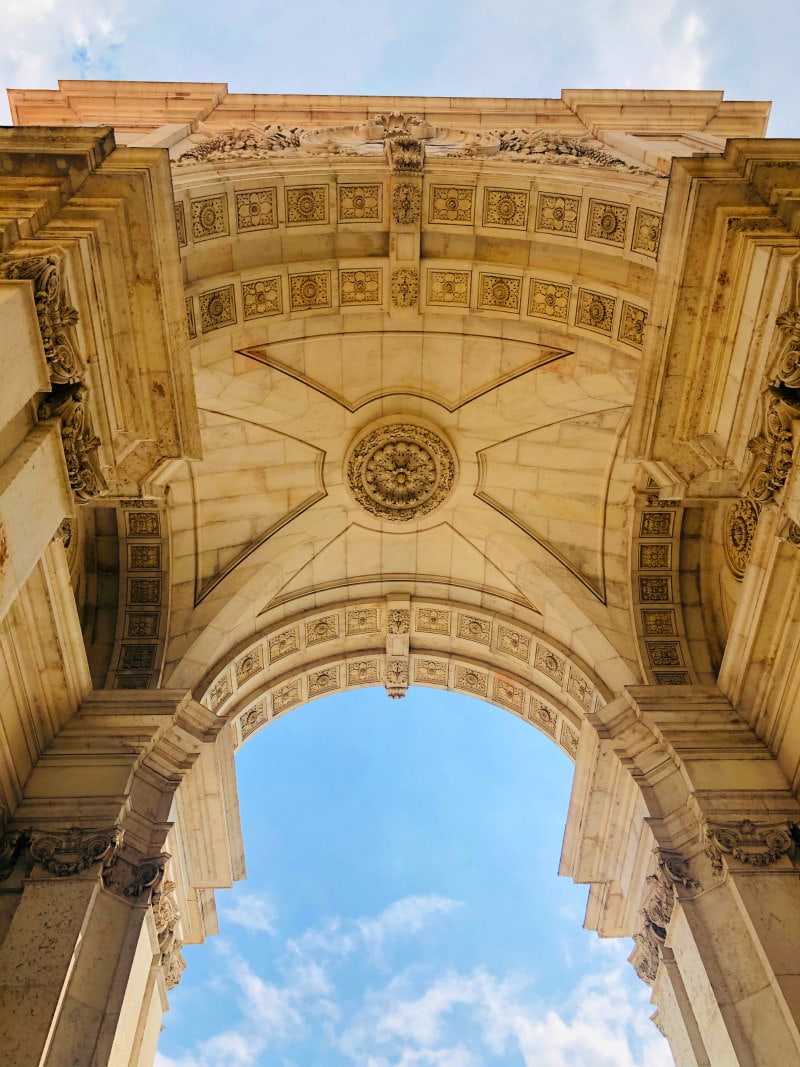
column 756, row 844
column 400, row 471
column 70, row 404
column 407, row 140
column 56, row 317
column 398, row 620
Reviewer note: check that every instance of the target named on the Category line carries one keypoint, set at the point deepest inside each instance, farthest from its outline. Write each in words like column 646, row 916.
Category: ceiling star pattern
column 504, row 311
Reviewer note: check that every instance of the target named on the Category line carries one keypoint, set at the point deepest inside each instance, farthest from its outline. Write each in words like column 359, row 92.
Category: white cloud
column 329, row 998
column 402, row 918
column 254, row 911
column 43, row 40
column 603, row 1025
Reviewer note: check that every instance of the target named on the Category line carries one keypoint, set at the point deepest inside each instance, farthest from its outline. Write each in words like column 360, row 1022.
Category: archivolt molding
column 366, row 643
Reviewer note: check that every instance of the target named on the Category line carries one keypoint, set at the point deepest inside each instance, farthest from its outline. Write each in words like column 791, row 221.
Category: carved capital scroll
column 756, row 844
column 67, row 852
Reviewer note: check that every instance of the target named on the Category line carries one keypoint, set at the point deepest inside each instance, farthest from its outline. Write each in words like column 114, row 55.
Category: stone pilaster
column 688, row 839
column 93, row 941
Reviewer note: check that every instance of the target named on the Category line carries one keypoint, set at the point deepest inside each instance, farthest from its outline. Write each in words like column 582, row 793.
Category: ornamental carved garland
column 657, row 908
column 400, row 472
column 406, row 141
column 69, row 397
column 772, row 449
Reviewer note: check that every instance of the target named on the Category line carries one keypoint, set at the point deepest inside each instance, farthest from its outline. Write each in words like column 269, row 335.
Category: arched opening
column 402, row 904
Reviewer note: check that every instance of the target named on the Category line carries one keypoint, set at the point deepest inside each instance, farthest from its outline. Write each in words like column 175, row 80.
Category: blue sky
column 402, row 907
column 517, row 48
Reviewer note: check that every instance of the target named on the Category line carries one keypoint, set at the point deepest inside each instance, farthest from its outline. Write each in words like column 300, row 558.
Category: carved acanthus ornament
column 756, row 844
column 56, row 317
column 67, row 852
column 68, row 399
column 70, row 404
column 657, row 908
column 406, row 141
column 772, row 449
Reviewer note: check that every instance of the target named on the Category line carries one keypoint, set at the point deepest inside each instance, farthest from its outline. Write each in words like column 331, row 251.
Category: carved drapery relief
column 657, row 908
column 70, row 404
column 406, row 141
column 756, row 844
column 56, row 317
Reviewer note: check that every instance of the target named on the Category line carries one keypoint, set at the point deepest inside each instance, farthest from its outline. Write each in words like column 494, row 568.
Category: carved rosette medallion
column 400, row 471
column 740, row 529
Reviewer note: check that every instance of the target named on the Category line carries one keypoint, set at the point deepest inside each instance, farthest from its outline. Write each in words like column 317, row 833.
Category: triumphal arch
column 308, row 393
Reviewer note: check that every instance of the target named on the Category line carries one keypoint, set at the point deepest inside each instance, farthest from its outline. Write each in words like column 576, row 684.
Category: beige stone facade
column 305, row 394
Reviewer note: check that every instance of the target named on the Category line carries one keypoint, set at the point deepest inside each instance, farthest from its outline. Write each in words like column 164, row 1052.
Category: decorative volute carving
column 756, row 844
column 67, row 852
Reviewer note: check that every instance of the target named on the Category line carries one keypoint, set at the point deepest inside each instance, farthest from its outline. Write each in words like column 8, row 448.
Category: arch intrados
column 451, row 646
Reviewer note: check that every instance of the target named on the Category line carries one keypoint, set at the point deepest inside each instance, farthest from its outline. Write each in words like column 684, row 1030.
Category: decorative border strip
column 655, row 585
column 142, row 620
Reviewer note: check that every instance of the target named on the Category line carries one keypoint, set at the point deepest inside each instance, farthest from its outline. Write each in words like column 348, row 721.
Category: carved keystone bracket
column 758, row 845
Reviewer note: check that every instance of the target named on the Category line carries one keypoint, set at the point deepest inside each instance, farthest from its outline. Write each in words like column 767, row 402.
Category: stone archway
column 467, row 418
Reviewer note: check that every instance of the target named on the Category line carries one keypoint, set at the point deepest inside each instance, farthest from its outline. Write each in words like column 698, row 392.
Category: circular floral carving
column 740, row 527
column 400, row 471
